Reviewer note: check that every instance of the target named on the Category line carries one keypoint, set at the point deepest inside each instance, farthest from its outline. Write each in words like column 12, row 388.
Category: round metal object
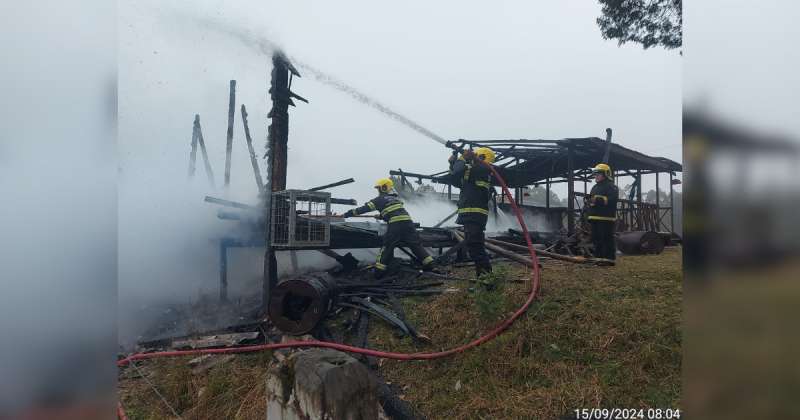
column 640, row 243
column 298, row 305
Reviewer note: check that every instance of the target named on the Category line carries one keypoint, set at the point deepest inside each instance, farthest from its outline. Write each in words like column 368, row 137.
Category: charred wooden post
column 229, row 145
column 658, row 206
column 298, row 305
column 223, row 271
column 193, row 153
column 570, row 192
column 508, row 254
column 608, row 146
column 639, row 207
column 335, row 184
column 348, row 261
column 539, row 252
column 547, row 200
column 446, row 219
column 209, row 172
column 253, row 160
column 671, row 208
column 277, row 142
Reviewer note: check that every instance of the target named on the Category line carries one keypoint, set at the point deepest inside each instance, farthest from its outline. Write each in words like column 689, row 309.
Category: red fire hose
column 417, row 356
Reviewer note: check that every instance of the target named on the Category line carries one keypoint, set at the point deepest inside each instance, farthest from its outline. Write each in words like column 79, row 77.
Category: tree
column 650, row 23
column 425, row 188
column 398, row 185
column 539, row 195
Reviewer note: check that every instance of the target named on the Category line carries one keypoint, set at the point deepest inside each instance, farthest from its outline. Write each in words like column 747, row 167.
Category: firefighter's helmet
column 603, row 169
column 486, row 154
column 384, row 185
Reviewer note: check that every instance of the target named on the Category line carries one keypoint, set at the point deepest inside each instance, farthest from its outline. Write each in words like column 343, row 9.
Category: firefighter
column 602, row 215
column 401, row 227
column 473, row 203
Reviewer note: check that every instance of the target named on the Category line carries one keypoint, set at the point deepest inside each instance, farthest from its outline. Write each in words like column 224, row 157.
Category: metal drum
column 640, row 243
column 298, row 305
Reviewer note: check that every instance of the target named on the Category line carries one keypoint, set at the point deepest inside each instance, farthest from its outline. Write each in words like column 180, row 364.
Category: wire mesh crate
column 300, row 219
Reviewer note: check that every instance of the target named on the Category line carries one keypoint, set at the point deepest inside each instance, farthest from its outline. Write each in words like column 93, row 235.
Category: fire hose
column 388, row 355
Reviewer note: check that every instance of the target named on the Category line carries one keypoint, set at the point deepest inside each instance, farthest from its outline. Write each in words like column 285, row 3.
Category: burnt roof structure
column 523, row 162
column 528, row 162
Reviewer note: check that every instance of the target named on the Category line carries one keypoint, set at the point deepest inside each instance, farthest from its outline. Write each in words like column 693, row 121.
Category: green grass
column 593, row 337
column 605, row 337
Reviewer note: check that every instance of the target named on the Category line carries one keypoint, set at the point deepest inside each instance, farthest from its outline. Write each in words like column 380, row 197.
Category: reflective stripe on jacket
column 604, row 207
column 389, row 206
column 474, row 180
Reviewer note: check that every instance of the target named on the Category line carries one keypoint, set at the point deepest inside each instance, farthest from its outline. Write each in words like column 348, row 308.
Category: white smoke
column 428, row 210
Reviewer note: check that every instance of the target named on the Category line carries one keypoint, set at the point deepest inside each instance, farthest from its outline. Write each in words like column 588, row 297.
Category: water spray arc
column 337, row 84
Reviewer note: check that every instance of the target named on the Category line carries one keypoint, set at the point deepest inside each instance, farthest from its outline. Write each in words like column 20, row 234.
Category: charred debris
column 305, row 306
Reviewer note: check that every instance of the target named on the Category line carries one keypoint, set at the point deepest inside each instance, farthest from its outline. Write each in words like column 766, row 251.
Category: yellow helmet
column 486, row 154
column 603, row 169
column 384, row 185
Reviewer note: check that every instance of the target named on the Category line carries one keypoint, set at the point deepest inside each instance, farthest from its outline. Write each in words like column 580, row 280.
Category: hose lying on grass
column 388, row 355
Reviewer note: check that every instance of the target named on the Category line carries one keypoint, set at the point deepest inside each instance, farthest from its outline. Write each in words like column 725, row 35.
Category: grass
column 607, row 337
column 488, row 297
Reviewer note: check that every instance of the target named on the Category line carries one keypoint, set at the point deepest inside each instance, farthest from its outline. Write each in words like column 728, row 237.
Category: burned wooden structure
column 543, row 163
column 292, row 220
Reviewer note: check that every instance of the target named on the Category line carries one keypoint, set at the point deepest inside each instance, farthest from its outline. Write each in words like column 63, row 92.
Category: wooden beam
column 570, row 192
column 229, row 145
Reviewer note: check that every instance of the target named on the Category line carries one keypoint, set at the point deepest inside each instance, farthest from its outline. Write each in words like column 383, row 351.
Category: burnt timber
column 522, row 163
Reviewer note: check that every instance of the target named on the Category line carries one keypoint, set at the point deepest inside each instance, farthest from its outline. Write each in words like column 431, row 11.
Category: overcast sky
column 534, row 70
column 460, row 69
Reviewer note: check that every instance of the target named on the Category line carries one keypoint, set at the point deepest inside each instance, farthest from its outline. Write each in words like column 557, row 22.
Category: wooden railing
column 631, row 215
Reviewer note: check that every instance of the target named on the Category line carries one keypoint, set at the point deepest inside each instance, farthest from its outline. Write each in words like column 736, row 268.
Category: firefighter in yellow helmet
column 401, row 229
column 602, row 202
column 473, row 203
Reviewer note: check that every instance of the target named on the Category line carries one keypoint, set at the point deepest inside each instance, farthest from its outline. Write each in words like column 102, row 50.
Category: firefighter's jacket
column 389, row 206
column 604, row 207
column 473, row 179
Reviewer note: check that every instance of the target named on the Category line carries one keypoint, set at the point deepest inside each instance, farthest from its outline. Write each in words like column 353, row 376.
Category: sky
column 532, row 70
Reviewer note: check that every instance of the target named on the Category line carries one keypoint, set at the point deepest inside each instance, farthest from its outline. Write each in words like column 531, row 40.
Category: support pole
column 209, row 172
column 658, row 206
column 229, row 147
column 608, row 146
column 223, row 271
column 277, row 141
column 256, row 171
column 193, row 154
column 639, row 209
column 570, row 192
column 671, row 208
column 547, row 200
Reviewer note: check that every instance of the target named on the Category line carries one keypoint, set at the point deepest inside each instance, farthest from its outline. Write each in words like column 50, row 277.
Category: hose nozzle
column 454, row 146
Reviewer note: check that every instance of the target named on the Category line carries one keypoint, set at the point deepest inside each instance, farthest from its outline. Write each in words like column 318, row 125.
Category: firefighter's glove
column 468, row 155
column 452, row 158
column 348, row 213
